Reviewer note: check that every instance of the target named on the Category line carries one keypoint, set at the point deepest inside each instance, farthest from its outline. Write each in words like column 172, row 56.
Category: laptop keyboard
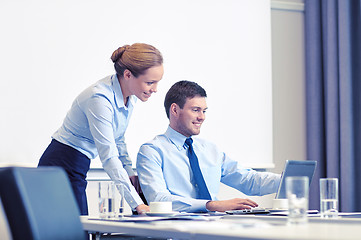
column 249, row 211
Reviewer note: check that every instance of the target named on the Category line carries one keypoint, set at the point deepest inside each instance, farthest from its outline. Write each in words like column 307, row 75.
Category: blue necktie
column 200, row 184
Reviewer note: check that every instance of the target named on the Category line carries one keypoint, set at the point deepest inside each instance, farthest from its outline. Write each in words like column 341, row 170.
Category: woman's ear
column 127, row 74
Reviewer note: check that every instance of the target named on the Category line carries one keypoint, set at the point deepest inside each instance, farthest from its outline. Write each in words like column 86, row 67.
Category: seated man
column 188, row 172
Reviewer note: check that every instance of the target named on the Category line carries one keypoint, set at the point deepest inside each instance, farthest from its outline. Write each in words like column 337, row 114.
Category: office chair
column 39, row 204
column 137, row 187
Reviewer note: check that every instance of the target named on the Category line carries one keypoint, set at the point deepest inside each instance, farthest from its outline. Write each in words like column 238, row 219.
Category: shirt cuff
column 132, row 199
column 199, row 206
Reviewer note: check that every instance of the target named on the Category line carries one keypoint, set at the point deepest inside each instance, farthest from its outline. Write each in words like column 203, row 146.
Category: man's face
column 188, row 121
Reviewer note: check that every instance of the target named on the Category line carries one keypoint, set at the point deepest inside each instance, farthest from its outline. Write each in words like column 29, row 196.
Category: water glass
column 297, row 195
column 329, row 197
column 106, row 199
column 111, row 199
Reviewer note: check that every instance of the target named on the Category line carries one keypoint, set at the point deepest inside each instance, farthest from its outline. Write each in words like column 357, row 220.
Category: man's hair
column 179, row 93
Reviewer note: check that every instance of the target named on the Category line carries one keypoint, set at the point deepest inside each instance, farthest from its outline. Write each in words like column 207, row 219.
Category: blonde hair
column 137, row 58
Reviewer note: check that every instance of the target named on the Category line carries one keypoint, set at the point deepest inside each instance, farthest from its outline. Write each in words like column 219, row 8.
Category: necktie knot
column 189, row 142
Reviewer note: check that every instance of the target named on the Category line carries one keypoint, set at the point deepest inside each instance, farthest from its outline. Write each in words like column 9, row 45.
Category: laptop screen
column 295, row 168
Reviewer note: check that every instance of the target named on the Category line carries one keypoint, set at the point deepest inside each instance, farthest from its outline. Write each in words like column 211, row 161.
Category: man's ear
column 174, row 109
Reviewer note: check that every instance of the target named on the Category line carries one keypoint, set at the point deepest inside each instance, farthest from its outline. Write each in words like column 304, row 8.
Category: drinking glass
column 297, row 195
column 106, row 199
column 329, row 197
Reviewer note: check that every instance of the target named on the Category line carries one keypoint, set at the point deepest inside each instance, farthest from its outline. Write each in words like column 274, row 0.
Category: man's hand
column 232, row 204
column 142, row 209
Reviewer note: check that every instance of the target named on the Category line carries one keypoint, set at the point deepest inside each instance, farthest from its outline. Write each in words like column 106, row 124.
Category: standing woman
column 97, row 121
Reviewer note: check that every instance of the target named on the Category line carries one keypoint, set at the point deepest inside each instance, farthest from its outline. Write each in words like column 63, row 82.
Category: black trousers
column 76, row 166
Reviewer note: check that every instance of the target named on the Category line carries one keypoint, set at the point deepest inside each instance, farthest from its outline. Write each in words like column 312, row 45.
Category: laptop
column 293, row 168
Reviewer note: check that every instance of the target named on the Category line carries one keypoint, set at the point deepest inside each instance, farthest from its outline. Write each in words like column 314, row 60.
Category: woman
column 97, row 121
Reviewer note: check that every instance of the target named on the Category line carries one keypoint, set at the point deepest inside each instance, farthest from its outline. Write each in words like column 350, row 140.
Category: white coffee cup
column 281, row 203
column 160, row 207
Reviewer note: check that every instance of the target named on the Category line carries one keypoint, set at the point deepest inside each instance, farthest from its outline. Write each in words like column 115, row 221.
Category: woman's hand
column 142, row 209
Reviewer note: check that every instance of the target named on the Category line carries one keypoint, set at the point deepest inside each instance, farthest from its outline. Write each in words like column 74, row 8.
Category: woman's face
column 144, row 85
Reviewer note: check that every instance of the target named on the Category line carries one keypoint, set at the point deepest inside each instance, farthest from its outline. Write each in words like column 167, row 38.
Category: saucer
column 170, row 214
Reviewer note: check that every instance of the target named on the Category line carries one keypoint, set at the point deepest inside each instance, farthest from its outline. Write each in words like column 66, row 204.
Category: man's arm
column 248, row 181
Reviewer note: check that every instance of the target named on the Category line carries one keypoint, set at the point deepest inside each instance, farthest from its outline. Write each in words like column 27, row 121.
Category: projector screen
column 52, row 50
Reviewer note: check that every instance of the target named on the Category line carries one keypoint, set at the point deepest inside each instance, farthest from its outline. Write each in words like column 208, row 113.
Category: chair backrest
column 39, row 204
column 136, row 184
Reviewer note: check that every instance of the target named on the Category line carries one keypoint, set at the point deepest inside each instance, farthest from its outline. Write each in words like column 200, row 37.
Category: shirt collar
column 119, row 101
column 176, row 138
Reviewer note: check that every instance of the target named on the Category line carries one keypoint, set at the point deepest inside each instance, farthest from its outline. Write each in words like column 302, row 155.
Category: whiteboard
column 52, row 50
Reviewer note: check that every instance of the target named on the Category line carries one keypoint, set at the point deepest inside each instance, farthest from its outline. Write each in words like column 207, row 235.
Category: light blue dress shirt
column 165, row 174
column 96, row 124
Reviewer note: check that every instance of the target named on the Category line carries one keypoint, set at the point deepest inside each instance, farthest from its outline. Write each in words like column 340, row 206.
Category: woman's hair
column 137, row 58
column 179, row 93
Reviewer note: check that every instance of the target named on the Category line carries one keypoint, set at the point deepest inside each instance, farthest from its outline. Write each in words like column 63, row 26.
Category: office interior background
column 288, row 90
column 290, row 99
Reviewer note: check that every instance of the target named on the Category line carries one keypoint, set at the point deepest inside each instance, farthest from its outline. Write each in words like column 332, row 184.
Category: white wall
column 52, row 50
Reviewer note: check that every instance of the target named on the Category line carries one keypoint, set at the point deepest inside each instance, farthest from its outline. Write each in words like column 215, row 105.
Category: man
column 168, row 165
